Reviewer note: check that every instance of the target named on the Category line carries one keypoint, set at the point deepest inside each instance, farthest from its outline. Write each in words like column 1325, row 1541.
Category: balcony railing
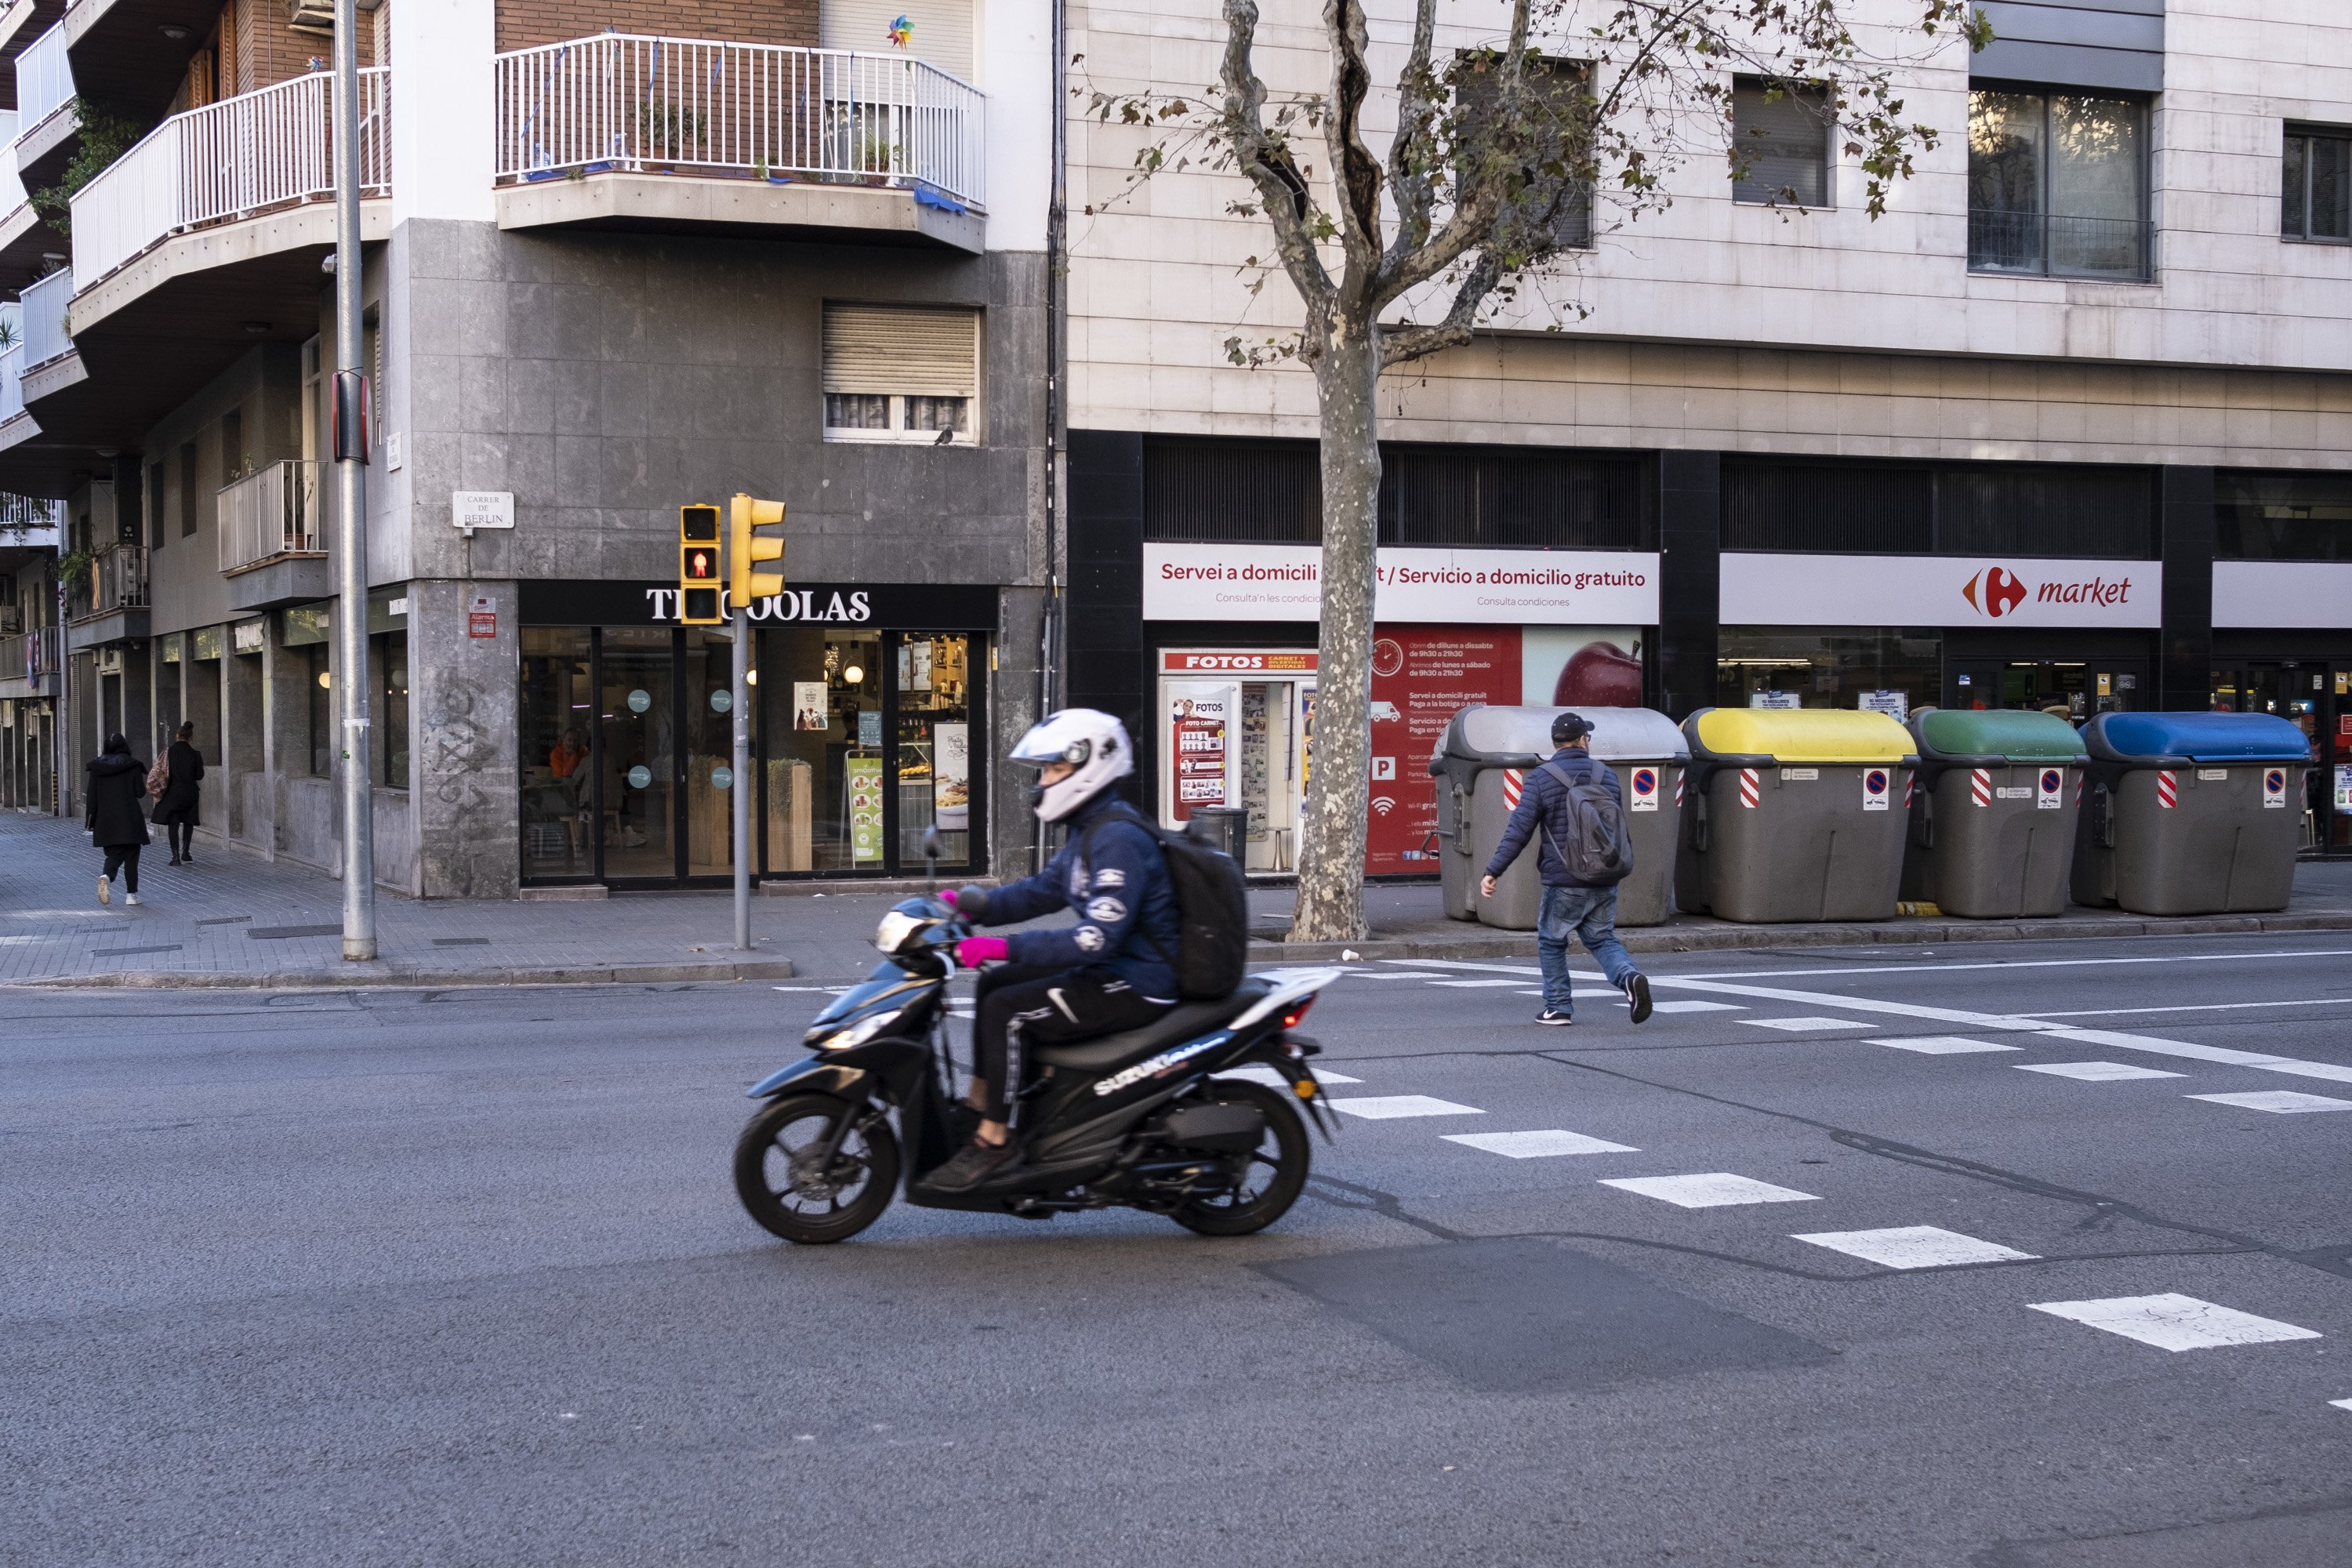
column 12, row 384
column 44, row 80
column 29, row 656
column 633, row 102
column 45, row 319
column 2108, row 249
column 23, row 516
column 12, row 185
column 227, row 161
column 117, row 580
column 273, row 513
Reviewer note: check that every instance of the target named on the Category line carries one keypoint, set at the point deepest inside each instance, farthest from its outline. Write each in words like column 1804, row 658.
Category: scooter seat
column 1109, row 1053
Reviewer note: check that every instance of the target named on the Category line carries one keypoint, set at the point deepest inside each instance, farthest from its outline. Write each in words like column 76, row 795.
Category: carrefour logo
column 2003, row 592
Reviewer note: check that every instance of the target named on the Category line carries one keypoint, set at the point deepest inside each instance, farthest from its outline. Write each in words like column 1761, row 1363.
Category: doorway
column 2316, row 697
column 2083, row 687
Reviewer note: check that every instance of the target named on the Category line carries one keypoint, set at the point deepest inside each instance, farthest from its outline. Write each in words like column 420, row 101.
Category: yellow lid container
column 1801, row 734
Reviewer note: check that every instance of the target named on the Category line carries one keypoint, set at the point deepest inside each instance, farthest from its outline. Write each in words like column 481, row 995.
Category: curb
column 1726, row 938
column 392, row 974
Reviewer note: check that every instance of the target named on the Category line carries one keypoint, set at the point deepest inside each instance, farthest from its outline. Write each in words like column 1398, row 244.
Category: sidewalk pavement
column 233, row 919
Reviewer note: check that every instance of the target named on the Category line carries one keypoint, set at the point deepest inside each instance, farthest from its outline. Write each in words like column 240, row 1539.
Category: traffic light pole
column 739, row 790
column 351, row 617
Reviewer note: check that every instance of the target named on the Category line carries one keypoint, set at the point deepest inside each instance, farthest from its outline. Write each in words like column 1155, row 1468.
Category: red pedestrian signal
column 699, row 579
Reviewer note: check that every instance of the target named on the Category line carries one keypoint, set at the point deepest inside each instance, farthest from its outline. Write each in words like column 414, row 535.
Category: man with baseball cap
column 1587, row 908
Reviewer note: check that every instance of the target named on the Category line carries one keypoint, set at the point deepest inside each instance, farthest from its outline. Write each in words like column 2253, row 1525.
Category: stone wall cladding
column 462, row 726
column 523, row 24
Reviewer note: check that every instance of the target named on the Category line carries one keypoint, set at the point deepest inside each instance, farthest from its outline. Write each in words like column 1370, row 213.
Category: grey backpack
column 1597, row 848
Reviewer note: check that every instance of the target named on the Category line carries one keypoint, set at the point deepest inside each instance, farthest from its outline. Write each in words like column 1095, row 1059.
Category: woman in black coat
column 177, row 807
column 114, row 794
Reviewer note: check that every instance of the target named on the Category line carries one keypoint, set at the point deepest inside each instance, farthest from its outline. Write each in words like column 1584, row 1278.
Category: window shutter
column 1788, row 138
column 942, row 30
column 903, row 351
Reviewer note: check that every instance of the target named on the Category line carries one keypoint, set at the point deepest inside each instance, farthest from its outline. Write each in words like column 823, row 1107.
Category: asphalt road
column 410, row 1277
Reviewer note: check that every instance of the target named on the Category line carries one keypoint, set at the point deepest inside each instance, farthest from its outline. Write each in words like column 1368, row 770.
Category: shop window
column 2058, row 186
column 2282, row 517
column 2316, row 185
column 899, row 374
column 319, row 686
column 1557, row 214
column 933, row 708
column 555, row 713
column 1780, row 140
column 822, row 706
column 1835, row 667
column 637, row 720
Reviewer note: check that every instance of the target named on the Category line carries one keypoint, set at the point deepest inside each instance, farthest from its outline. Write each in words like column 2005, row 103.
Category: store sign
column 929, row 607
column 2272, row 594
column 1794, row 590
column 1426, row 586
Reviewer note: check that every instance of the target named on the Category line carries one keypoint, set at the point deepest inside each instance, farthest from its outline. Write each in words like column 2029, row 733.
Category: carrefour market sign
column 1761, row 590
column 1416, row 586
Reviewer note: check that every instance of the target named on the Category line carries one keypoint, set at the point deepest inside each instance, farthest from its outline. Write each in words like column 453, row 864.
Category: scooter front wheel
column 793, row 1190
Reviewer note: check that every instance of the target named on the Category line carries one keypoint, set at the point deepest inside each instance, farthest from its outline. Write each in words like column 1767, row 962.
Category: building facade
column 2069, row 426
column 618, row 259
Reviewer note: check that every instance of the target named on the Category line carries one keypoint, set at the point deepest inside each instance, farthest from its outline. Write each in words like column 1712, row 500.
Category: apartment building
column 619, row 257
column 2071, row 425
column 31, row 640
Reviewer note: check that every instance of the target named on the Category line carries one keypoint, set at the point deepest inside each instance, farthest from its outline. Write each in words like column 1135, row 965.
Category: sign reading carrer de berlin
column 1794, row 590
column 470, row 509
column 1417, row 585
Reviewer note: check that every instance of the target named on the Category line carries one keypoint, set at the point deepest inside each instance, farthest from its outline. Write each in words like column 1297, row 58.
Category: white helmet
column 1093, row 744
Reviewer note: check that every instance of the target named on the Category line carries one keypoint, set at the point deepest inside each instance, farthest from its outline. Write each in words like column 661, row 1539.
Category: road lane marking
column 2201, row 1008
column 2341, row 1404
column 1258, row 1072
column 1696, row 1008
column 2094, row 1072
column 1466, row 963
column 2278, row 1101
column 1476, row 985
column 1395, row 973
column 1914, row 1246
column 1391, row 1107
column 1941, row 1045
column 2020, row 964
column 1713, row 1189
column 1539, row 1145
column 2175, row 1322
column 1802, row 1026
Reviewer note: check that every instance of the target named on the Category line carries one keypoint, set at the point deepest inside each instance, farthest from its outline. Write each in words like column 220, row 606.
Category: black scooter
column 1138, row 1119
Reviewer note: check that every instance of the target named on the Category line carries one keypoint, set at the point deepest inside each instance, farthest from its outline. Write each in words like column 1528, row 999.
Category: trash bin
column 1481, row 765
column 1221, row 827
column 1794, row 814
column 1992, row 821
column 2190, row 814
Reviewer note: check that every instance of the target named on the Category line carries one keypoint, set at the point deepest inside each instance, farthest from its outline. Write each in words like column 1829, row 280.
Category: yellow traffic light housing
column 698, row 578
column 746, row 549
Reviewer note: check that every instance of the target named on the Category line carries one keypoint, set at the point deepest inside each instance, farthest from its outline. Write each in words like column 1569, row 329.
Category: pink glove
column 974, row 950
column 947, row 897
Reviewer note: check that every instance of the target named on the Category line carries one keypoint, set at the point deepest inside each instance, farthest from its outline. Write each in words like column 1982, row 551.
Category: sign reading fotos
column 1798, row 589
column 1424, row 587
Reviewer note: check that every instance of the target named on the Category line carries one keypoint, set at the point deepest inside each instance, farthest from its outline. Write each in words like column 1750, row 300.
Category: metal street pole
column 350, row 486
column 740, row 788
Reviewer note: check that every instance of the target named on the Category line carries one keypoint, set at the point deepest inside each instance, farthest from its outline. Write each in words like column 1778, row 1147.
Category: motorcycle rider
column 1111, row 971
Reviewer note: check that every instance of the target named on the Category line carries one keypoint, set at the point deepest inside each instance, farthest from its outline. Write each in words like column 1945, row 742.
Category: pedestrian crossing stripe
column 2172, row 1322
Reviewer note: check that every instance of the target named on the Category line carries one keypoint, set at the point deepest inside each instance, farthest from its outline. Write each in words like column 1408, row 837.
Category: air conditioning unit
column 110, row 658
column 319, row 15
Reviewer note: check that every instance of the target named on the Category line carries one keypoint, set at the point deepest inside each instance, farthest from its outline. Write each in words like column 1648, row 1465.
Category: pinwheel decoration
column 901, row 33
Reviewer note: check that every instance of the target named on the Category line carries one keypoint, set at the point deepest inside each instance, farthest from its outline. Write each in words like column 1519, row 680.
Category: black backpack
column 1598, row 850
column 1212, row 913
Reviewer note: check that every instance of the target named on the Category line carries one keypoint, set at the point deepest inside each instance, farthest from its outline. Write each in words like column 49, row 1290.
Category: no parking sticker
column 2274, row 788
column 1646, row 790
column 1874, row 789
column 2046, row 788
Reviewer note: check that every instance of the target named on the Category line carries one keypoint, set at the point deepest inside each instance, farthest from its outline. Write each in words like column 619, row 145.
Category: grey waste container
column 1793, row 814
column 1481, row 765
column 1222, row 827
column 2190, row 814
column 1992, row 821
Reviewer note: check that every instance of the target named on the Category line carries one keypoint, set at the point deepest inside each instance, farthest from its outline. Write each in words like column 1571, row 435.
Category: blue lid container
column 2151, row 739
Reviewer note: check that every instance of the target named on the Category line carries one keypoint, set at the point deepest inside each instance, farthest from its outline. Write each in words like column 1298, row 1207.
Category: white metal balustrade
column 12, row 185
column 43, row 300
column 271, row 514
column 229, row 159
column 12, row 384
column 44, row 78
column 634, row 102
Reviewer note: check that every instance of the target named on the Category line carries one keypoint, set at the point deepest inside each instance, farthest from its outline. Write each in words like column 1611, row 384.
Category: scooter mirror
column 931, row 847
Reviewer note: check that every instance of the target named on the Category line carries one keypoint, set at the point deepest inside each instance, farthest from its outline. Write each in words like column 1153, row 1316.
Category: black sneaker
column 972, row 1164
column 1637, row 988
column 1554, row 1016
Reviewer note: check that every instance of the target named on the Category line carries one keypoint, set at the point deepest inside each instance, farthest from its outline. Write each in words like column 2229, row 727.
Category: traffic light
column 698, row 567
column 746, row 549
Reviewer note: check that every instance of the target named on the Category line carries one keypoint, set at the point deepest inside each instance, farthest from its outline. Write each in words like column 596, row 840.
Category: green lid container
column 2010, row 735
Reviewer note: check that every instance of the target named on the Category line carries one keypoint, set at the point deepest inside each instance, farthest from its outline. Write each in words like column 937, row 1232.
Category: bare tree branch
column 1282, row 193
column 1399, row 344
column 1414, row 171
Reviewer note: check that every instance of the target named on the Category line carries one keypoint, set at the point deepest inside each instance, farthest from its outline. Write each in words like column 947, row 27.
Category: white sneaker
column 105, row 892
column 129, row 898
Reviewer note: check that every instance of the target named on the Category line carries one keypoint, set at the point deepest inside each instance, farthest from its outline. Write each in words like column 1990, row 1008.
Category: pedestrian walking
column 114, row 796
column 1575, row 811
column 175, row 804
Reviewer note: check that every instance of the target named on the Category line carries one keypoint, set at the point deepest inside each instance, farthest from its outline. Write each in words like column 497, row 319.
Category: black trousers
column 124, row 858
column 1020, row 1005
column 180, row 833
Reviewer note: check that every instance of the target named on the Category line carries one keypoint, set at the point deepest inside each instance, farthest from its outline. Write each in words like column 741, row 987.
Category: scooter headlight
column 860, row 1032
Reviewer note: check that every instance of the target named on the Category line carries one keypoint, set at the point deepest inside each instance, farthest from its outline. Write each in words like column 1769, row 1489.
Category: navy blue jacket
column 1126, row 902
column 1545, row 801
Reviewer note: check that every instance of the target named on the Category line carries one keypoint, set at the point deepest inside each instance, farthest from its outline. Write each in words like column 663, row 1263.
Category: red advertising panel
column 1420, row 676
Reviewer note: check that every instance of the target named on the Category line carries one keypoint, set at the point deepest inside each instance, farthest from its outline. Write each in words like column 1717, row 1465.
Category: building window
column 155, row 531
column 901, row 373
column 2058, row 186
column 2315, row 192
column 2282, row 516
column 389, row 656
column 319, row 684
column 1780, row 142
column 187, row 488
column 1560, row 214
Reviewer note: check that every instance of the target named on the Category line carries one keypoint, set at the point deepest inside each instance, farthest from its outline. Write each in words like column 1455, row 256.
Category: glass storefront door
column 931, row 755
column 557, row 770
column 638, row 726
column 707, row 727
column 2316, row 697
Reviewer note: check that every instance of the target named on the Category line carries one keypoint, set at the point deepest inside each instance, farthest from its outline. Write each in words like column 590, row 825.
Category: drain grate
column 130, row 952
column 461, row 942
column 278, row 933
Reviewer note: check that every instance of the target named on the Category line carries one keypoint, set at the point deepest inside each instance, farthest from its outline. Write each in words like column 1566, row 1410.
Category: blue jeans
column 1590, row 914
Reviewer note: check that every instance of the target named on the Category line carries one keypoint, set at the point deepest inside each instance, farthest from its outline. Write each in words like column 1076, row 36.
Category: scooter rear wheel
column 778, row 1177
column 1276, row 1173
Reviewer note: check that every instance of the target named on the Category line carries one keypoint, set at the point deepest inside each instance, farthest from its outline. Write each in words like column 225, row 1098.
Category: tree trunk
column 1331, row 840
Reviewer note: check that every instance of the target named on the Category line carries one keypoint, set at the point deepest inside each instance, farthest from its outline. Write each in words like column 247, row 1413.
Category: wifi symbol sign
column 1383, row 804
